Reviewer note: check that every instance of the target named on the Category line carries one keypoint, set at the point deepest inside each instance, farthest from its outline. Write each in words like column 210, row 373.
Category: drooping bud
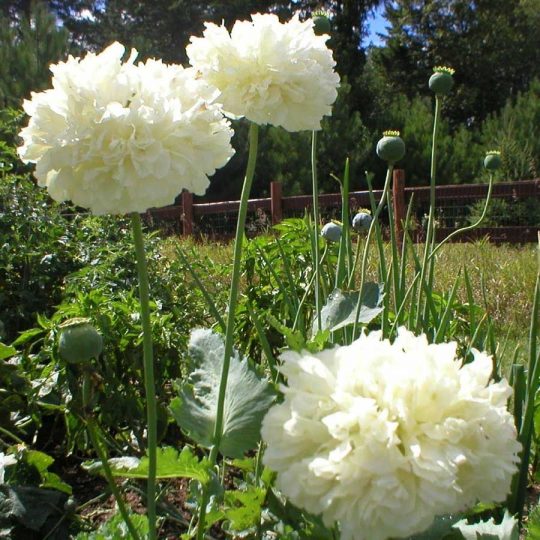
column 391, row 147
column 362, row 221
column 442, row 81
column 321, row 23
column 331, row 232
column 492, row 161
column 79, row 341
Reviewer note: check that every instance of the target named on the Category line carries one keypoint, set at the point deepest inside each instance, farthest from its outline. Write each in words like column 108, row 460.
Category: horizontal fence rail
column 454, row 205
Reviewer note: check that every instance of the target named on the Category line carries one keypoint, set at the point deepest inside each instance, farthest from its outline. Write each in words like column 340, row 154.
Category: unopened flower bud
column 79, row 341
column 361, row 221
column 441, row 81
column 492, row 161
column 391, row 147
column 331, row 232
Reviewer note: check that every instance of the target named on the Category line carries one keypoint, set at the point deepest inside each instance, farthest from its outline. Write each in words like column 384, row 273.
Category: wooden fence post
column 187, row 213
column 276, row 208
column 398, row 201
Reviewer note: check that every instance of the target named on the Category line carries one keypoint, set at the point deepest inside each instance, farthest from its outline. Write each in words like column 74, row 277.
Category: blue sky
column 376, row 23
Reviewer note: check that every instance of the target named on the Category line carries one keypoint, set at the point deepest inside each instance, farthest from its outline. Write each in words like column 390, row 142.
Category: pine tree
column 29, row 42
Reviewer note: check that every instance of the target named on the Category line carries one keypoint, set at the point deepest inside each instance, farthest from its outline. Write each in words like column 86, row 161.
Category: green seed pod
column 331, row 232
column 441, row 82
column 391, row 147
column 492, row 161
column 79, row 341
column 321, row 23
column 361, row 222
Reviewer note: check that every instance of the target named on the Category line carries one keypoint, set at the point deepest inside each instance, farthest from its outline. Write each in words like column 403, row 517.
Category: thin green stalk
column 468, row 227
column 395, row 255
column 344, row 255
column 12, row 435
column 307, row 291
column 94, row 437
column 149, row 383
column 209, row 301
column 430, row 234
column 316, row 219
column 233, row 300
column 352, row 273
column 372, row 226
column 378, row 235
column 519, row 484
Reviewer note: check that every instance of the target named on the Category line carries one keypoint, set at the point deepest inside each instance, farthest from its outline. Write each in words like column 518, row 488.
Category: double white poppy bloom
column 270, row 72
column 384, row 437
column 117, row 137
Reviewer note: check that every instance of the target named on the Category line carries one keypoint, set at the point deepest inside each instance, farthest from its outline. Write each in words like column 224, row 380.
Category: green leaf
column 243, row 509
column 6, row 351
column 533, row 524
column 247, row 398
column 170, row 464
column 508, row 529
column 340, row 308
column 29, row 506
column 116, row 529
column 27, row 336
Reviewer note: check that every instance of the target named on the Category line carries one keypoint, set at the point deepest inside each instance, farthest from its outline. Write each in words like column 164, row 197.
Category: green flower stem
column 316, row 219
column 350, row 284
column 372, row 226
column 430, row 234
column 395, row 255
column 519, row 483
column 307, row 291
column 233, row 299
column 102, row 455
column 469, row 227
column 12, row 435
column 149, row 383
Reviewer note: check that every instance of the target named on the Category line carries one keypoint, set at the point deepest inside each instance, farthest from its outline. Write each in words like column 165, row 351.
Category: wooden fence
column 277, row 207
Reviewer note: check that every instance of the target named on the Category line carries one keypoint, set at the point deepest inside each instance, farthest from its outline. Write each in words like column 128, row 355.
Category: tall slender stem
column 149, row 383
column 372, row 226
column 102, row 455
column 233, row 300
column 430, row 234
column 315, row 190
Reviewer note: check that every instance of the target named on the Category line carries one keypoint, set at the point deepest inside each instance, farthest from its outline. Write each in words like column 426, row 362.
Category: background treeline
column 494, row 45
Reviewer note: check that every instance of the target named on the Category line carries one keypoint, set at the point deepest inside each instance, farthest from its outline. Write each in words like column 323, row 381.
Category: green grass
column 502, row 278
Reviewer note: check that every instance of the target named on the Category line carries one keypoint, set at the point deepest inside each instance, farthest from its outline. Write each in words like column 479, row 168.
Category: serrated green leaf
column 116, row 529
column 247, row 398
column 508, row 529
column 6, row 351
column 170, row 464
column 243, row 509
column 340, row 308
